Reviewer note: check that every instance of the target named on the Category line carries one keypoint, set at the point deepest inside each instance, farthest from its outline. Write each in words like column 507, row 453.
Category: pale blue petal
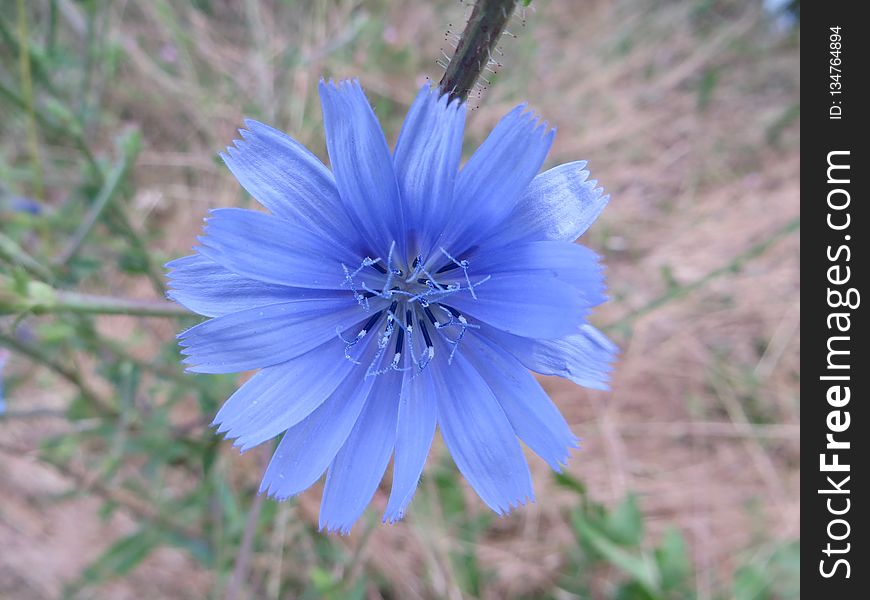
column 280, row 396
column 480, row 438
column 533, row 305
column 272, row 250
column 362, row 165
column 288, row 180
column 418, row 414
column 359, row 466
column 585, row 357
column 307, row 449
column 427, row 162
column 569, row 263
column 559, row 204
column 268, row 335
column 489, row 185
column 200, row 284
column 532, row 414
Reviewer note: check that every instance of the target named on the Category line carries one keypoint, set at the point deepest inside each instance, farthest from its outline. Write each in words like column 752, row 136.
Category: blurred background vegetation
column 111, row 483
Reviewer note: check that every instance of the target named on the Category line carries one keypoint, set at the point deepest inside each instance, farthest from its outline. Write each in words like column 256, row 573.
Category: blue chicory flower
column 396, row 293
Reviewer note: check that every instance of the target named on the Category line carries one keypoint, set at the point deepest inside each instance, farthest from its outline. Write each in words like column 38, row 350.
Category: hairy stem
column 474, row 52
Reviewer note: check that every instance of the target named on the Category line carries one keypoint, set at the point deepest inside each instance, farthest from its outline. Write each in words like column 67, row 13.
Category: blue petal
column 268, row 335
column 280, row 396
column 531, row 304
column 490, row 183
column 308, row 448
column 269, row 249
column 584, row 357
column 427, row 162
column 206, row 288
column 559, row 204
column 418, row 414
column 534, row 417
column 359, row 466
column 362, row 164
column 569, row 263
column 480, row 438
column 287, row 179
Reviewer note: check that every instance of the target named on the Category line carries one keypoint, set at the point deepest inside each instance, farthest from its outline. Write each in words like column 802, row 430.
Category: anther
column 379, row 267
column 456, row 314
column 431, row 316
column 400, row 339
column 448, row 267
column 374, row 319
column 430, row 349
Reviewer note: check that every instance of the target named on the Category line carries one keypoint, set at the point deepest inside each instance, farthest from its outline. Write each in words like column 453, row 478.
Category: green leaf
column 636, row 564
column 572, row 483
column 673, row 560
column 750, row 583
column 123, row 556
column 625, row 524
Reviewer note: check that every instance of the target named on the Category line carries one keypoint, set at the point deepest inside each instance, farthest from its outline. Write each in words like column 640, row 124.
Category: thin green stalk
column 41, row 71
column 14, row 254
column 72, row 375
column 733, row 266
column 107, row 193
column 27, row 91
column 474, row 51
column 171, row 372
column 118, row 219
column 70, row 127
column 109, row 305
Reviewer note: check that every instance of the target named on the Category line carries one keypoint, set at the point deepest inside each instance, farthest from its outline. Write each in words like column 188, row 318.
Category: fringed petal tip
column 340, row 85
column 333, row 529
column 562, row 462
column 431, row 92
column 531, row 118
column 504, row 510
column 270, row 491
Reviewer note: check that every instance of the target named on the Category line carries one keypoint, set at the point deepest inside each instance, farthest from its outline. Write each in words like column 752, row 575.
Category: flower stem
column 40, row 298
column 733, row 266
column 109, row 305
column 14, row 254
column 474, row 52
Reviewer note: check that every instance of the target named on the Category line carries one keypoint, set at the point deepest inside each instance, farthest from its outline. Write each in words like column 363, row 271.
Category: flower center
column 419, row 313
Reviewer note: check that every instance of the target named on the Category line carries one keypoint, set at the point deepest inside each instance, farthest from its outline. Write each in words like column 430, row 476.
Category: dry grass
column 683, row 111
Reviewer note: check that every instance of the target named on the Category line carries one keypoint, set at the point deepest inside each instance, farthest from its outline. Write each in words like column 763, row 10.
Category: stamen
column 400, row 339
column 430, row 347
column 455, row 313
column 448, row 267
column 462, row 264
column 348, row 344
column 431, row 316
column 374, row 318
column 421, row 291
